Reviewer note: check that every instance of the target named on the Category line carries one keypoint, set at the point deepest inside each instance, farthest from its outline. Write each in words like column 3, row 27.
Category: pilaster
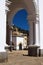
column 41, row 25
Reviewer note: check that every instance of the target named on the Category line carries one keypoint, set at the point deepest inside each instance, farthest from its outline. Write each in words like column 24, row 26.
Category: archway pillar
column 10, row 39
column 31, row 33
column 41, row 25
column 33, row 38
column 3, row 53
column 34, row 33
column 37, row 36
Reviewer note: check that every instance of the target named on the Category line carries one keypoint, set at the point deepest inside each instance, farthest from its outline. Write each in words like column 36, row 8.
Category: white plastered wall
column 2, row 26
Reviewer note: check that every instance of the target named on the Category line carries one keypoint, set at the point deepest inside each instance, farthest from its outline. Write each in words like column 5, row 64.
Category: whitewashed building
column 19, row 41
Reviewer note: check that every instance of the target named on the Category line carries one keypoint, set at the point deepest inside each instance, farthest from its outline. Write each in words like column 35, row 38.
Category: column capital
column 6, row 5
column 8, row 2
column 31, row 17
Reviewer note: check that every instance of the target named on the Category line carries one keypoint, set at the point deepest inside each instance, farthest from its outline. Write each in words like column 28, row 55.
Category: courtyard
column 22, row 58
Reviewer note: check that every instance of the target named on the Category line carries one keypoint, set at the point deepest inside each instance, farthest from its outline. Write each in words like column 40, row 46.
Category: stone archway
column 17, row 4
column 30, row 8
column 32, row 18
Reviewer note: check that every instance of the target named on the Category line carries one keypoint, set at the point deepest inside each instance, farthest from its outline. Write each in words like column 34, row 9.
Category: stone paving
column 21, row 58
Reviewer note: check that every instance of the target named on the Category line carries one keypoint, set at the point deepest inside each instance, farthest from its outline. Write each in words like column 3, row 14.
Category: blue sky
column 20, row 19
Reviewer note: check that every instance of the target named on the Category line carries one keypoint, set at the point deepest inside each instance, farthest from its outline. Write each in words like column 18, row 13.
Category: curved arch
column 15, row 11
column 20, row 19
column 10, row 17
column 28, row 5
column 30, row 8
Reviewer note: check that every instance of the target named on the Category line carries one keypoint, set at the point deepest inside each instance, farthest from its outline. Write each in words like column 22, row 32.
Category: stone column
column 31, row 33
column 37, row 36
column 10, row 40
column 2, row 30
column 37, row 31
column 11, row 35
column 41, row 24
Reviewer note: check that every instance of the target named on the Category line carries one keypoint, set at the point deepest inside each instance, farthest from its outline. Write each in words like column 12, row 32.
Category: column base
column 40, row 52
column 33, row 50
column 3, row 56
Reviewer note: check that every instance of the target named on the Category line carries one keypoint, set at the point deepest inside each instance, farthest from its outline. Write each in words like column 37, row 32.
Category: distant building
column 19, row 38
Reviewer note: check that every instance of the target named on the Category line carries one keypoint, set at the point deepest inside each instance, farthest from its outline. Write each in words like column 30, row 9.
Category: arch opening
column 21, row 24
column 20, row 20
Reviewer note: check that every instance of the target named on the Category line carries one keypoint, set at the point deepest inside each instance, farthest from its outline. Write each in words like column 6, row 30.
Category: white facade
column 41, row 23
column 2, row 26
column 17, row 40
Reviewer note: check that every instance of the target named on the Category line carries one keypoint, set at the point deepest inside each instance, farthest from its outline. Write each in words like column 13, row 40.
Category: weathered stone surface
column 17, row 58
column 32, row 50
column 3, row 56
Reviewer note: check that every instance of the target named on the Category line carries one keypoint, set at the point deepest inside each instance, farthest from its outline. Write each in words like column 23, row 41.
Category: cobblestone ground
column 21, row 58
